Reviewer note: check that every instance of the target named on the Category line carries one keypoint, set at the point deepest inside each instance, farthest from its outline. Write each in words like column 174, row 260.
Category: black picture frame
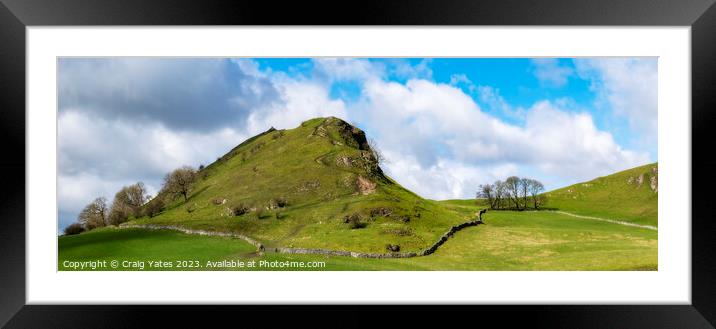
column 16, row 15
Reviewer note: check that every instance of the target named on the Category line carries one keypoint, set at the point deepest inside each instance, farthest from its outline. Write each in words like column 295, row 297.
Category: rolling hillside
column 316, row 186
column 320, row 186
column 630, row 195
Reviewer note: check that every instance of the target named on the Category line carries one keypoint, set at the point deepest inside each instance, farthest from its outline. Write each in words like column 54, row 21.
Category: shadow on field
column 118, row 235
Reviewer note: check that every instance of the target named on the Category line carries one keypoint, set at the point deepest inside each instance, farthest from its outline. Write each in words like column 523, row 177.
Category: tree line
column 133, row 201
column 513, row 193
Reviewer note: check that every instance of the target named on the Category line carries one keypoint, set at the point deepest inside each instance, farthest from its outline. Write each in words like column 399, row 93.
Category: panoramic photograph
column 357, row 164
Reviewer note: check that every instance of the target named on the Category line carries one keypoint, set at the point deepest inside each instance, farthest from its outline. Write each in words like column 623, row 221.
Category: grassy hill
column 630, row 195
column 298, row 187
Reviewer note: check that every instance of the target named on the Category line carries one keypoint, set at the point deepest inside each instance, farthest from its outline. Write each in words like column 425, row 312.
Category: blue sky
column 446, row 125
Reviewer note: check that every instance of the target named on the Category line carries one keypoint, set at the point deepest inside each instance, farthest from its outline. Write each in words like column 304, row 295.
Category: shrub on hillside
column 354, row 221
column 74, row 228
column 279, row 202
column 381, row 212
column 240, row 209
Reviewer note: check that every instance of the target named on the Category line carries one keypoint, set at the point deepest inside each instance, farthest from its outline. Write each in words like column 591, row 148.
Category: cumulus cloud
column 189, row 94
column 359, row 69
column 347, row 69
column 460, row 78
column 117, row 149
column 628, row 86
column 447, row 179
column 550, row 72
column 300, row 100
column 98, row 156
column 488, row 97
column 403, row 69
column 492, row 99
column 440, row 129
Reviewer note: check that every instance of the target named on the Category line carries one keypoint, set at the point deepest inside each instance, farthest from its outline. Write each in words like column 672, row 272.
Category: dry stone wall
column 447, row 235
column 307, row 251
column 259, row 246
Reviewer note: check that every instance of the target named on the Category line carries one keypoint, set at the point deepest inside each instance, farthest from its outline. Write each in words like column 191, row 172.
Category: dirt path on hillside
column 613, row 221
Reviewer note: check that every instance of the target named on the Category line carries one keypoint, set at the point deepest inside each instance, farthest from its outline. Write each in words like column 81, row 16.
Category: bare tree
column 118, row 214
column 500, row 194
column 512, row 186
column 523, row 185
column 136, row 197
column 128, row 202
column 536, row 187
column 94, row 215
column 377, row 153
column 514, row 192
column 487, row 191
column 180, row 181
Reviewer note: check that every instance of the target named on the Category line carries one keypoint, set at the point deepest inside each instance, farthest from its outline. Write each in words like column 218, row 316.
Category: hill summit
column 319, row 185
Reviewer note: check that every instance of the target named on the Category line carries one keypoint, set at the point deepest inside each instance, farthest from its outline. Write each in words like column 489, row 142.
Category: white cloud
column 628, row 86
column 76, row 191
column 361, row 70
column 403, row 69
column 343, row 69
column 182, row 93
column 492, row 100
column 569, row 144
column 550, row 73
column 446, row 179
column 300, row 100
column 457, row 79
column 116, row 148
column 489, row 98
column 98, row 156
column 443, row 134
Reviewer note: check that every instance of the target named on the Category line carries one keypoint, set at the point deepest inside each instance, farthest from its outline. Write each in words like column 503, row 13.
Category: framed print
column 479, row 159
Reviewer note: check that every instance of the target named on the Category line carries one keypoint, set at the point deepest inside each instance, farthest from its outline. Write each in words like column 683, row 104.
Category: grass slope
column 508, row 241
column 143, row 245
column 626, row 195
column 325, row 170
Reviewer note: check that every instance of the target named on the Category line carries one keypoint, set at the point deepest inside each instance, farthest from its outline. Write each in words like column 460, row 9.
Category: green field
column 145, row 245
column 508, row 241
